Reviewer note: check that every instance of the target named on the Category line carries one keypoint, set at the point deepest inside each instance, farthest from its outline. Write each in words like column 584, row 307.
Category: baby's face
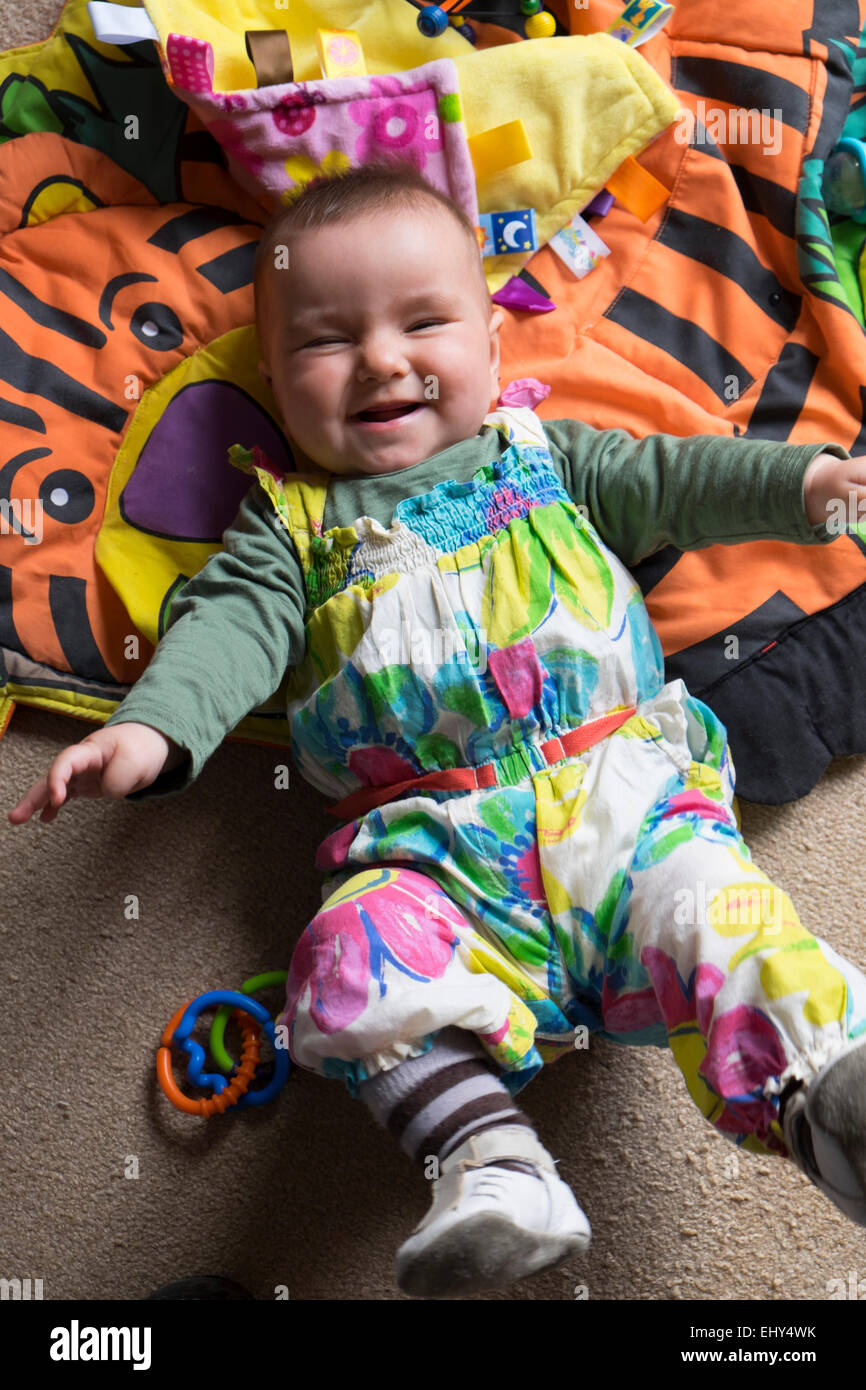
column 380, row 311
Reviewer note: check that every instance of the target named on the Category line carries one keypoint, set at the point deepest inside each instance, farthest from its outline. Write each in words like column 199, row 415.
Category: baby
column 537, row 834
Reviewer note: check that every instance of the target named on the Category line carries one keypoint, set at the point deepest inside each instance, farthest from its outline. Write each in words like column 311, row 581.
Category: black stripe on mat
column 232, row 270
column 48, row 315
column 702, row 140
column 683, row 340
column 13, row 414
column 730, row 255
column 831, row 20
column 859, row 444
column 67, row 600
column 783, row 394
column 8, row 632
column 176, row 232
column 34, row 376
column 771, row 200
column 836, row 102
column 652, row 570
column 742, row 86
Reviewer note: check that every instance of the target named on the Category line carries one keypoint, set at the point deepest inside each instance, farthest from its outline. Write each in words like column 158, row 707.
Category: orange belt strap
column 472, row 778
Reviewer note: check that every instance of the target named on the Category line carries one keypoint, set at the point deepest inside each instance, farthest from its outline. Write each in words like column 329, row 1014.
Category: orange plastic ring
column 214, row 1105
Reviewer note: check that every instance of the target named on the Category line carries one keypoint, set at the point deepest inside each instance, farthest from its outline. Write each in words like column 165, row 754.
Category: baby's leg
column 433, row 1103
column 387, row 962
column 755, row 1007
column 384, row 992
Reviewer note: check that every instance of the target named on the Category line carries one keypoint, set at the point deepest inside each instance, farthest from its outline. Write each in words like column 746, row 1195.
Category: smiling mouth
column 392, row 412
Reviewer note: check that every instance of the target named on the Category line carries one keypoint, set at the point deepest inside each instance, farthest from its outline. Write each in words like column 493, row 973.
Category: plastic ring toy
column 226, row 1094
column 216, row 1041
column 178, row 1034
column 258, row 1012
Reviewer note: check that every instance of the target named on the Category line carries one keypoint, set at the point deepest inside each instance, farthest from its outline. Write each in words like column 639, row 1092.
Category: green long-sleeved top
column 249, row 599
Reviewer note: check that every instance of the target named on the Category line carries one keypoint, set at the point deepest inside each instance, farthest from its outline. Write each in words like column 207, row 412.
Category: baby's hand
column 109, row 762
column 834, row 491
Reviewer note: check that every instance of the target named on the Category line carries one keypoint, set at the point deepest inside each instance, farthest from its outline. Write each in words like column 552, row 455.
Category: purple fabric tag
column 516, row 294
column 601, row 204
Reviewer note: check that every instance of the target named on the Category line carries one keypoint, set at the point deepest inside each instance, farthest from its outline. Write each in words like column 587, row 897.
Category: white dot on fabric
column 59, row 496
column 149, row 328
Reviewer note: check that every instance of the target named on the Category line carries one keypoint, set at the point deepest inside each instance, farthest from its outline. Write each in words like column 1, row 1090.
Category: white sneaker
column 824, row 1125
column 489, row 1226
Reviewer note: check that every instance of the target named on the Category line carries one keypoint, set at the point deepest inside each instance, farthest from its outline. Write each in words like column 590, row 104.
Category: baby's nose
column 383, row 354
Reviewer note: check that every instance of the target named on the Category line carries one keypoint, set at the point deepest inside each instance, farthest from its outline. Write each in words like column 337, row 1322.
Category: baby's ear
column 264, row 373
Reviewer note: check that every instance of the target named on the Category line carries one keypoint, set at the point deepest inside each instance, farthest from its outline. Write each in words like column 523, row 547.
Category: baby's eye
column 426, row 323
column 324, row 342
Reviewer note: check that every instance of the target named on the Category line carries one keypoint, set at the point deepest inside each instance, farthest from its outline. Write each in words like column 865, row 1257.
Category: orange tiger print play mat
column 127, row 364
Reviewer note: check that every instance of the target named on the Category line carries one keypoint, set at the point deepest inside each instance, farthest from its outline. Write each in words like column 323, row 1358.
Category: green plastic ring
column 216, row 1040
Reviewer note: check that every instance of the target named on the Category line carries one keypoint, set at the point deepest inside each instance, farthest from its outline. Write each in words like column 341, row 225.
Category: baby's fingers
column 75, row 772
column 31, row 801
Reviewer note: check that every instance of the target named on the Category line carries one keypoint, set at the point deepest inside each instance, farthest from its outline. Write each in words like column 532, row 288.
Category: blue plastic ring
column 195, row 1051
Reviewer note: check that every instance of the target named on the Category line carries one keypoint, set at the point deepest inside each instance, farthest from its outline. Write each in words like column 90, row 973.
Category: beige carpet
column 308, row 1193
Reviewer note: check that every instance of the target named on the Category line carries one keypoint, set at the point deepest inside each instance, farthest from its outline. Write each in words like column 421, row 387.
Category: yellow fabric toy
column 586, row 102
column 388, row 30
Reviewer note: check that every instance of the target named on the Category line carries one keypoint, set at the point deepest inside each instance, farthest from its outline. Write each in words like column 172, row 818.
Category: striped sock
column 433, row 1103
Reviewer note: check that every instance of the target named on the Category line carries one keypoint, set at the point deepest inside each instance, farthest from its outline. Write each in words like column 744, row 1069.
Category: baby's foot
column 825, row 1129
column 492, row 1224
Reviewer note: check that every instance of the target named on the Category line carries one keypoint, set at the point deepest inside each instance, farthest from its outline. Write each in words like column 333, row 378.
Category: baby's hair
column 373, row 187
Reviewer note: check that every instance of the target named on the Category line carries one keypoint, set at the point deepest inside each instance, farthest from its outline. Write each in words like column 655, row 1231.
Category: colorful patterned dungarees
column 606, row 892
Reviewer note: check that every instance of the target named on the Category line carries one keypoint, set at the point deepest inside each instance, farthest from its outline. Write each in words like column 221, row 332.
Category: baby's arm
column 232, row 631
column 643, row 494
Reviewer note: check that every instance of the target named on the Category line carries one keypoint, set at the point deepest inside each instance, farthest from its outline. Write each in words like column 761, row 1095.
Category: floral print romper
column 605, row 891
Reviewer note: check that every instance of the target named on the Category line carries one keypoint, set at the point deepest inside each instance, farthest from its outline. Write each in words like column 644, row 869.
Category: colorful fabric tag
column 639, row 21
column 579, row 247
column 507, row 232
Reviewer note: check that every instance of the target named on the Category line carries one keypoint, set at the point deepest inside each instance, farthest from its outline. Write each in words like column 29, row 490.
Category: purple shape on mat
column 601, row 204
column 183, row 486
column 516, row 294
